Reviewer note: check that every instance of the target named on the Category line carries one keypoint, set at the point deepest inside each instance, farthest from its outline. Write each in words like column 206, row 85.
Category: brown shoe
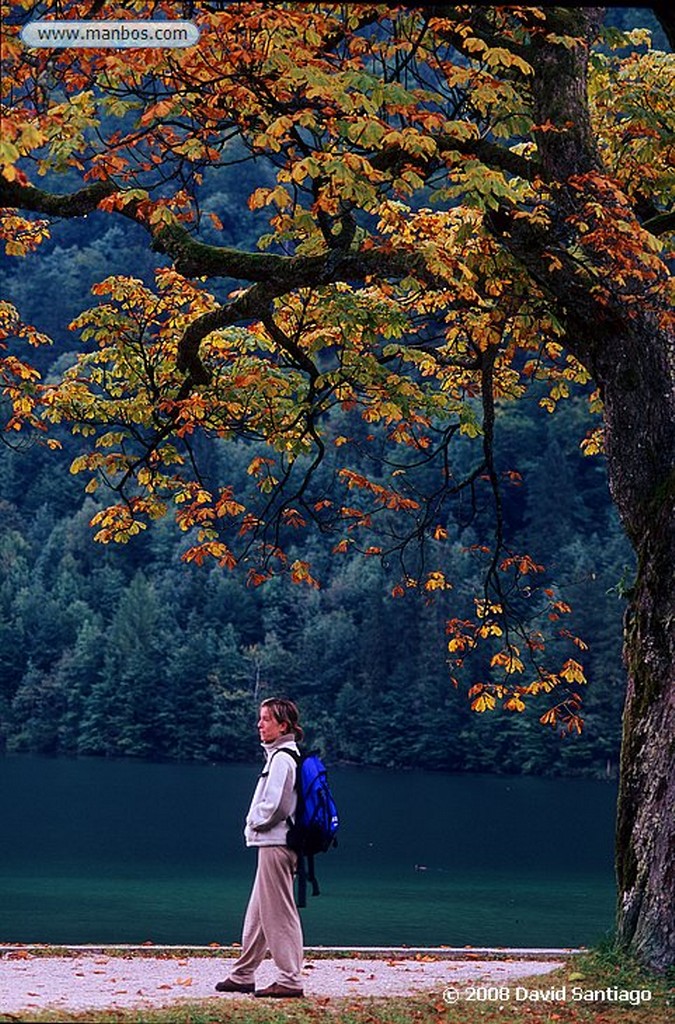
column 234, row 986
column 277, row 991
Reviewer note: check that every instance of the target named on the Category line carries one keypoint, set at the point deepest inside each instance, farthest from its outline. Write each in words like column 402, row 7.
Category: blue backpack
column 316, row 819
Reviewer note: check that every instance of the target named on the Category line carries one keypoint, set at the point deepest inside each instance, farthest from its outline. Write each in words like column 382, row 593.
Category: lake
column 98, row 851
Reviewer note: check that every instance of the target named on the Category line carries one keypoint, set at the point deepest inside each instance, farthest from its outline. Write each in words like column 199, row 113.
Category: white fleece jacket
column 275, row 798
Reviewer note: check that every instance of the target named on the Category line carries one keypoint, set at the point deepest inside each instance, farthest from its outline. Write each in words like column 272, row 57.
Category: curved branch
column 490, row 153
column 299, row 272
column 273, row 275
column 13, row 195
column 289, row 345
column 191, row 257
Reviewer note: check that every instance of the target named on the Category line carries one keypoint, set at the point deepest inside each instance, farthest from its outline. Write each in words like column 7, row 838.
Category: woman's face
column 269, row 729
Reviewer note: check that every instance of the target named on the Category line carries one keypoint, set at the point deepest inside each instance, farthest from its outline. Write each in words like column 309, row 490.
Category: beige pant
column 272, row 921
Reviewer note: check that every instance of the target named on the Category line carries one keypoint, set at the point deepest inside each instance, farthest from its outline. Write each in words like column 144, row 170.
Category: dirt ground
column 99, row 980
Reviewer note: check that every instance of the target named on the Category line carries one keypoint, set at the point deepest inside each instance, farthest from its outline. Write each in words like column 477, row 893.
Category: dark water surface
column 95, row 851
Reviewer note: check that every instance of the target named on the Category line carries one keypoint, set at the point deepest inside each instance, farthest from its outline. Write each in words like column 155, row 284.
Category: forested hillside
column 129, row 651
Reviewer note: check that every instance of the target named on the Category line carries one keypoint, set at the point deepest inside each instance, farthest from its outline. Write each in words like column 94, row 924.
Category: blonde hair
column 286, row 713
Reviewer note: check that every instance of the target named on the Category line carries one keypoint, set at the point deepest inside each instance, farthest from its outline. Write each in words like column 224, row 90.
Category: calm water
column 119, row 851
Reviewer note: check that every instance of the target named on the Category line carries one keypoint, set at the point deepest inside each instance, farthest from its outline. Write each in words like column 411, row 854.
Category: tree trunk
column 639, row 394
column 634, row 365
column 645, row 839
column 630, row 351
column 635, row 369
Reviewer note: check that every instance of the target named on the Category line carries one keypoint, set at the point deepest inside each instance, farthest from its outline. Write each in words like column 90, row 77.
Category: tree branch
column 491, row 153
column 26, row 197
column 300, row 272
column 192, row 258
column 290, row 346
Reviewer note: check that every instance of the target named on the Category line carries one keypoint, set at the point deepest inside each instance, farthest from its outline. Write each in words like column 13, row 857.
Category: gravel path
column 98, row 981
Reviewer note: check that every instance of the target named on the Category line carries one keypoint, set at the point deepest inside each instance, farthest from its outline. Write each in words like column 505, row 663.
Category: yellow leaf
column 436, row 581
column 300, row 573
column 31, row 138
column 484, row 608
column 9, row 154
column 491, row 628
column 508, row 660
column 485, row 702
column 573, row 672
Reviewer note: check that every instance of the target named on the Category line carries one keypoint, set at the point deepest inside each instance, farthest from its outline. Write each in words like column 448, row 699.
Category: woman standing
column 272, row 921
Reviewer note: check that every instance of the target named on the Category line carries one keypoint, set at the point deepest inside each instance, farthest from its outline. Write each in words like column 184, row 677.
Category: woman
column 272, row 921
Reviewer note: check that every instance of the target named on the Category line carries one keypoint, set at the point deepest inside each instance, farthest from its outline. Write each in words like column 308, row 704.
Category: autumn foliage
column 421, row 227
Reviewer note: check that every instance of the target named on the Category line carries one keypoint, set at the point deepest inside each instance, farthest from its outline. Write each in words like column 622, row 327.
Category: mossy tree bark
column 643, row 485
column 631, row 355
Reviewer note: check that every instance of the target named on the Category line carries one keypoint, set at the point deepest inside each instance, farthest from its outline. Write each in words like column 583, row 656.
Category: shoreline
column 215, row 950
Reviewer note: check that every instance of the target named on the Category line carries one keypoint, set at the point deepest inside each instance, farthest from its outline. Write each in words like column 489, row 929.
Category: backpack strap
column 284, row 750
column 301, row 874
column 287, row 750
column 311, row 875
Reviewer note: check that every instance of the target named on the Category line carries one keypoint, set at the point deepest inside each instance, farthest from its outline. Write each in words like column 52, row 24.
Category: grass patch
column 647, row 999
column 245, row 1011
